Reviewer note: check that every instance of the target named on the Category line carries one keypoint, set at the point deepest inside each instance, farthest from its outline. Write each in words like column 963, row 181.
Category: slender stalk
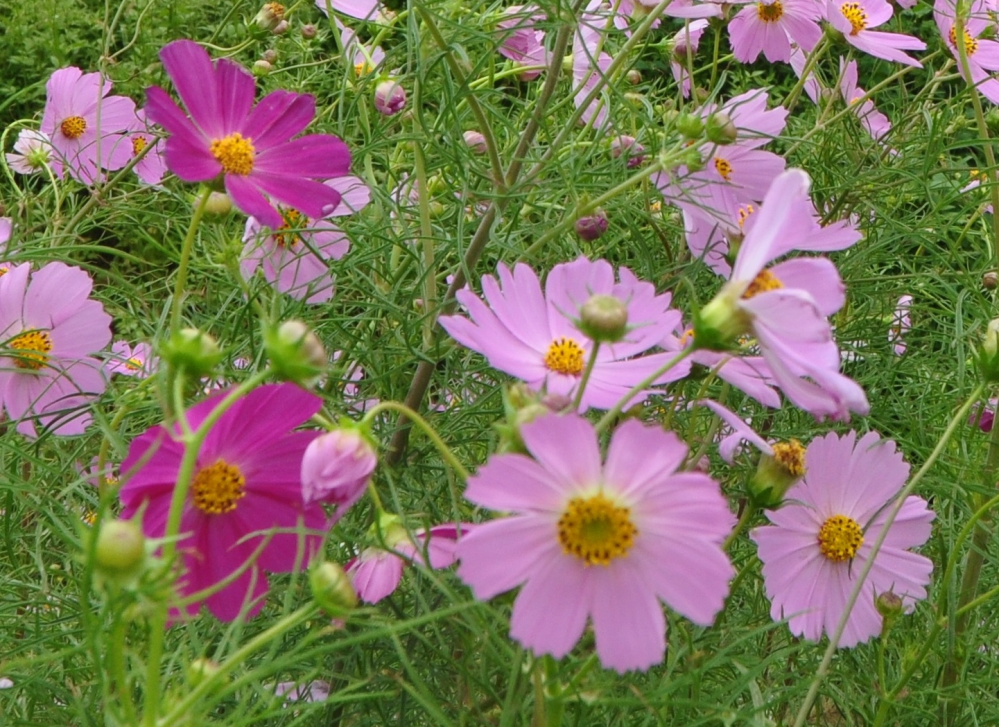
column 185, row 260
column 813, row 690
column 748, row 511
column 586, row 376
column 611, row 415
column 445, row 451
column 813, row 59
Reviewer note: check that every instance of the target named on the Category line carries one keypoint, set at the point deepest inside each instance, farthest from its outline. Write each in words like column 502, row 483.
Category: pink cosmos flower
column 337, row 467
column 251, row 147
column 798, row 62
column 900, row 325
column 129, row 361
column 247, row 484
column 853, row 18
column 771, row 27
column 984, row 416
column 362, row 56
column 49, row 329
column 376, row 573
column 821, row 539
column 589, row 64
column 982, row 54
column 74, row 101
column 151, row 168
column 785, row 307
column 293, row 257
column 688, row 37
column 32, row 151
column 875, row 122
column 6, row 230
column 316, row 691
column 360, row 9
column 688, row 9
column 600, row 541
column 521, row 42
column 533, row 336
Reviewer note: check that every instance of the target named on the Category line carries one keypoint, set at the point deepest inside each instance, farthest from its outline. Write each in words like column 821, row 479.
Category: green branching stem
column 422, row 423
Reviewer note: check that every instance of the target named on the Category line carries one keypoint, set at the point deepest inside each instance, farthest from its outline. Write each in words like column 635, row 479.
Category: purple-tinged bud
column 390, row 97
column 990, row 280
column 634, row 76
column 270, row 55
column 591, row 227
column 628, row 147
column 475, row 141
column 309, row 31
column 281, row 28
column 336, row 468
column 889, row 605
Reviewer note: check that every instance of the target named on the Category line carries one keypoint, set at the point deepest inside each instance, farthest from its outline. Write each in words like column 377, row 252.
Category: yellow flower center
column 565, row 356
column 724, row 168
column 73, row 127
column 744, row 213
column 138, row 144
column 791, row 456
column 770, row 13
column 840, row 537
column 970, row 44
column 218, row 487
column 856, row 15
column 762, row 283
column 133, row 364
column 32, row 349
column 234, row 153
column 293, row 220
column 595, row 530
column 277, row 9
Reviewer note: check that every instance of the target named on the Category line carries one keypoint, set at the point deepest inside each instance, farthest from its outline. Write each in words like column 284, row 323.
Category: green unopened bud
column 332, row 589
column 689, row 125
column 720, row 129
column 295, row 352
column 988, row 353
column 718, row 325
column 522, row 406
column 693, row 160
column 603, row 318
column 262, row 68
column 120, row 549
column 775, row 474
column 218, row 204
column 199, row 670
column 889, row 605
column 192, row 350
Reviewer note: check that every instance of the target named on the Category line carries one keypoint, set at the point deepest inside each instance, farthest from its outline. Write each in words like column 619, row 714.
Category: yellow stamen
column 234, row 153
column 762, row 283
column 856, row 15
column 293, row 220
column 133, row 364
column 565, row 356
column 770, row 13
column 138, row 144
column 277, row 9
column 970, row 44
column 791, row 456
column 724, row 168
column 840, row 537
column 73, row 127
column 744, row 213
column 218, row 487
column 596, row 530
column 32, row 349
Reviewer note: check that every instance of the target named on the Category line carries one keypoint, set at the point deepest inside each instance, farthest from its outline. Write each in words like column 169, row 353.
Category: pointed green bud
column 192, row 350
column 295, row 353
column 988, row 353
column 603, row 318
column 332, row 589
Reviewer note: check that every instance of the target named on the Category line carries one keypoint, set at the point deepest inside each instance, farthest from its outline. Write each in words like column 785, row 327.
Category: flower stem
column 813, row 59
column 748, row 511
column 813, row 690
column 606, row 419
column 586, row 376
column 185, row 259
column 401, row 408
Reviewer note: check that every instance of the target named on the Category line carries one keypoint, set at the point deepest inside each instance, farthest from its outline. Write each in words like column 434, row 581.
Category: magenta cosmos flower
column 250, row 146
column 50, row 328
column 533, row 336
column 771, row 28
column 821, row 539
column 247, row 484
column 784, row 307
column 853, row 18
column 600, row 541
column 74, row 102
column 983, row 54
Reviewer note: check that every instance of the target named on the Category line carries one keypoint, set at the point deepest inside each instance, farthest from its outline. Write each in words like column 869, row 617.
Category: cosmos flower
column 337, row 467
column 589, row 65
column 74, row 101
column 151, row 168
column 32, row 151
column 596, row 541
column 854, row 18
column 246, row 484
column 521, row 41
column 820, row 540
column 688, row 37
column 359, row 9
column 128, row 361
column 251, row 147
column 982, row 53
column 875, row 122
column 533, row 336
column 900, row 325
column 771, row 27
column 49, row 330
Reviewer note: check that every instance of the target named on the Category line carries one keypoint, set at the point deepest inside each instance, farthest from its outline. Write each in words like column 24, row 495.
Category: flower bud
column 719, row 324
column 990, row 280
column 270, row 55
column 521, row 406
column 390, row 97
column 634, row 76
column 988, row 353
column 332, row 589
column 720, row 129
column 120, row 549
column 604, row 319
column 592, row 227
column 218, row 204
column 337, row 467
column 889, row 605
column 295, row 352
column 192, row 350
column 775, row 474
column 693, row 160
column 199, row 670
column 629, row 148
column 261, row 68
column 269, row 16
column 281, row 28
column 309, row 31
column 689, row 125
column 475, row 141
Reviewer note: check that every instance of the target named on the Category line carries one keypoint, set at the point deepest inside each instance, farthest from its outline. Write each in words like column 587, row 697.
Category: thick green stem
column 584, row 380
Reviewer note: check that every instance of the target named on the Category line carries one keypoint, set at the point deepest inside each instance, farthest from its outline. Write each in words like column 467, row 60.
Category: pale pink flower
column 982, row 54
column 589, row 65
column 32, row 152
column 875, row 122
column 687, row 38
column 822, row 537
column 798, row 62
column 363, row 57
column 376, row 572
column 359, row 9
column 604, row 542
column 771, row 27
column 521, row 41
column 900, row 325
column 854, row 18
column 128, row 361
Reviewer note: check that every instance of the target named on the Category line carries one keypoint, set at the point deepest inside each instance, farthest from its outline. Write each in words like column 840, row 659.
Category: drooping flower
column 50, row 329
column 900, row 325
column 390, row 97
column 128, row 361
column 771, row 27
column 521, row 41
column 337, row 467
column 534, row 337
column 854, row 18
column 250, row 146
column 293, row 257
column 687, row 39
column 982, row 53
column 32, row 151
column 604, row 542
column 875, row 122
column 74, row 102
column 784, row 307
column 376, row 572
column 246, row 487
column 822, row 538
